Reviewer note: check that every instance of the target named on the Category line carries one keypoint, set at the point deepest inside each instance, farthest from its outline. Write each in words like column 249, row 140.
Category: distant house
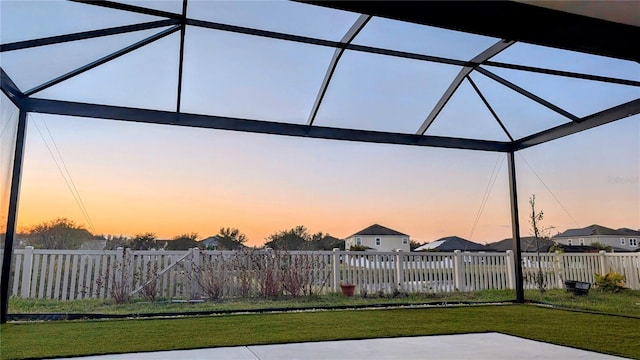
column 161, row 244
column 527, row 244
column 379, row 238
column 329, row 243
column 452, row 243
column 621, row 239
column 210, row 243
column 93, row 244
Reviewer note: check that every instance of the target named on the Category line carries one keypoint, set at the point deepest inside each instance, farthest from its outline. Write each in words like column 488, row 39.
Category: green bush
column 610, row 282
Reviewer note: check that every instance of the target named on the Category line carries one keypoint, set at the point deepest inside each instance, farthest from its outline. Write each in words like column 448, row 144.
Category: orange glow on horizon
column 178, row 180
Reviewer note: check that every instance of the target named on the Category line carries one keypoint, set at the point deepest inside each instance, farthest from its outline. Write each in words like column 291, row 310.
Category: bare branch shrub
column 117, row 279
column 149, row 279
column 211, row 277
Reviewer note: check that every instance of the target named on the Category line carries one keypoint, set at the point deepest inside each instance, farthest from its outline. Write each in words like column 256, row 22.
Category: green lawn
column 106, row 306
column 607, row 334
column 624, row 303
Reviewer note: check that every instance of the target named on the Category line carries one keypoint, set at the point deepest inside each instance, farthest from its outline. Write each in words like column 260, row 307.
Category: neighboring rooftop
column 376, row 229
column 452, row 243
column 527, row 244
column 629, row 232
column 590, row 231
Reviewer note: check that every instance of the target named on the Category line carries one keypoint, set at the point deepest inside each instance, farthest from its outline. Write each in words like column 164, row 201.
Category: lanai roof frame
column 443, row 14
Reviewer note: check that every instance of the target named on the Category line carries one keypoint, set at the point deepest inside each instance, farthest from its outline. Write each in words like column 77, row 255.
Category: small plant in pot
column 347, row 289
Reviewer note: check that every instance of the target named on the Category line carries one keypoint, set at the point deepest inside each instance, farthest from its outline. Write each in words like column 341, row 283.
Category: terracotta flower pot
column 348, row 289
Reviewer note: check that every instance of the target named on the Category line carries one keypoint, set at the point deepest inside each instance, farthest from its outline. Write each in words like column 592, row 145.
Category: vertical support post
column 399, row 272
column 515, row 228
column 10, row 233
column 335, row 260
column 457, row 271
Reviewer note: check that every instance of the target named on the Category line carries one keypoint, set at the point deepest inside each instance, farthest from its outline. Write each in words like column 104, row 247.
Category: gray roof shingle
column 589, row 231
column 527, row 244
column 376, row 229
column 452, row 243
column 629, row 232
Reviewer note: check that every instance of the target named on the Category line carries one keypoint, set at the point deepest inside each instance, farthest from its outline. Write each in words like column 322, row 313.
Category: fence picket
column 67, row 274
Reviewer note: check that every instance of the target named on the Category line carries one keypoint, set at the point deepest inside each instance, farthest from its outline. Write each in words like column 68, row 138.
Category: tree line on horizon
column 63, row 233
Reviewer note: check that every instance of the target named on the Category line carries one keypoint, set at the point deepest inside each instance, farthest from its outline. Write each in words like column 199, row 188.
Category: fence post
column 128, row 268
column 510, row 269
column 457, row 270
column 558, row 269
column 195, row 269
column 335, row 260
column 27, row 269
column 399, row 272
column 119, row 265
column 603, row 262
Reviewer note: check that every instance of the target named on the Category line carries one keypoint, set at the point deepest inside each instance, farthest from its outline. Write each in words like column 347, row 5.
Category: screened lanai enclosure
column 490, row 77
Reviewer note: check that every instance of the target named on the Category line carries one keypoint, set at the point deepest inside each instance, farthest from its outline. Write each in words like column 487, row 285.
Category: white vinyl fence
column 195, row 274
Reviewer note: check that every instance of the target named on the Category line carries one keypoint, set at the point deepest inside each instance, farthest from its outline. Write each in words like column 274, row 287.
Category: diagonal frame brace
column 615, row 113
column 347, row 38
column 103, row 60
column 528, row 94
column 478, row 59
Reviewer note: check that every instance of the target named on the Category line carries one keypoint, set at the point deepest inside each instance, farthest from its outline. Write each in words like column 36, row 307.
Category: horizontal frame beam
column 255, row 126
column 322, row 42
column 131, row 8
column 569, row 74
column 85, row 35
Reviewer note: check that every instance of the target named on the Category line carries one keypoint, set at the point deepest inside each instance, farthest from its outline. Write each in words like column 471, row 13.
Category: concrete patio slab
column 465, row 346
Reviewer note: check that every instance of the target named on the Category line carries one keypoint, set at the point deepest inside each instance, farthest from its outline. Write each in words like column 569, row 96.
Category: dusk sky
column 135, row 178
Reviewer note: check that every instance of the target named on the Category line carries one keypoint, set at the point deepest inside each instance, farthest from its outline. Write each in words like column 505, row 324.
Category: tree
column 183, row 242
column 414, row 245
column 60, row 233
column 292, row 239
column 146, row 241
column 538, row 232
column 114, row 242
column 327, row 242
column 600, row 246
column 231, row 239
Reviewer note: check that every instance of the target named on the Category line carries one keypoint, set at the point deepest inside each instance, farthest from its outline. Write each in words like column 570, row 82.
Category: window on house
column 358, row 241
column 581, row 241
column 621, row 241
column 633, row 242
column 378, row 241
column 570, row 242
column 405, row 241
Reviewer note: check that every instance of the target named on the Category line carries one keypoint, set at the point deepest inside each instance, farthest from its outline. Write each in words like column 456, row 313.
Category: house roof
column 210, row 240
column 629, row 232
column 527, row 244
column 330, row 238
column 452, row 243
column 376, row 229
column 589, row 231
